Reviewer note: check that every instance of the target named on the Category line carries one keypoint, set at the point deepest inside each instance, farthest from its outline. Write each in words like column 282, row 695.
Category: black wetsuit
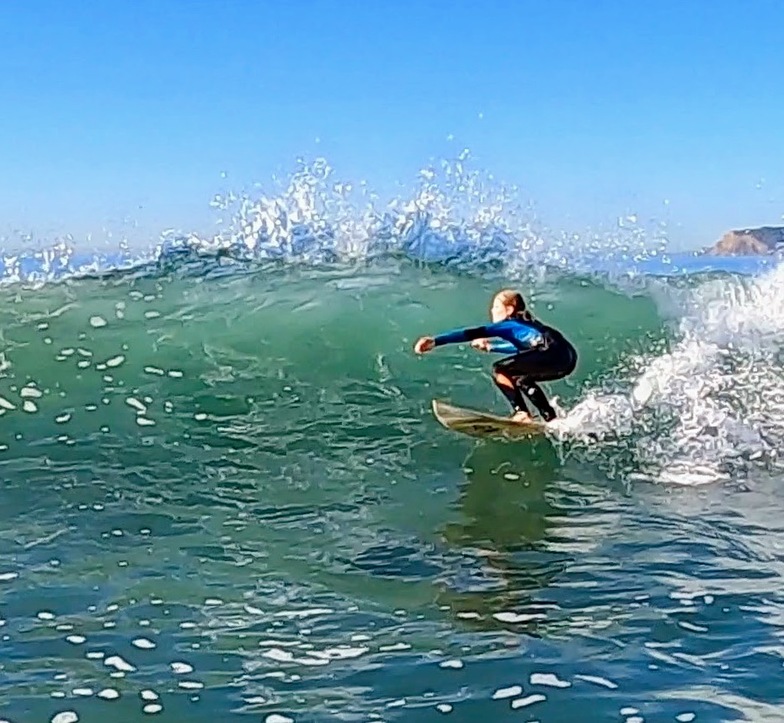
column 539, row 354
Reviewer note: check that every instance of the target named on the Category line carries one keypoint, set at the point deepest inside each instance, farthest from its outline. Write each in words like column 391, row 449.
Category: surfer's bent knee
column 503, row 378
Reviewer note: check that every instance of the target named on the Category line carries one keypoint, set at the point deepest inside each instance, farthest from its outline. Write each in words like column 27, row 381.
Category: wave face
column 224, row 494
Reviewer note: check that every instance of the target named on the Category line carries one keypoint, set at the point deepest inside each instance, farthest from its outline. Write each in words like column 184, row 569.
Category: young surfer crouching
column 539, row 352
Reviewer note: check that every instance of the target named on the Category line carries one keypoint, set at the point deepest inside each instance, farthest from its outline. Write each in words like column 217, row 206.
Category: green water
column 226, row 499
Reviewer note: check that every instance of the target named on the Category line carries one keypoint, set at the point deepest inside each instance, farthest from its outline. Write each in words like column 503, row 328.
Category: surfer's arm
column 515, row 335
column 459, row 336
column 500, row 346
column 512, row 335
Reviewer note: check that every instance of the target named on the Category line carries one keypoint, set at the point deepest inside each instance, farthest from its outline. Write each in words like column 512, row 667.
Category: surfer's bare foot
column 522, row 417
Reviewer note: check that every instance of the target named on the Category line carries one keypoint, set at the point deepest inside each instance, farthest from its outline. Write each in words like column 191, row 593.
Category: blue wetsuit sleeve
column 503, row 347
column 458, row 336
column 517, row 335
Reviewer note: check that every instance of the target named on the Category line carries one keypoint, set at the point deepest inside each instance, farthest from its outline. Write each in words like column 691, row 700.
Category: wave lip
column 455, row 215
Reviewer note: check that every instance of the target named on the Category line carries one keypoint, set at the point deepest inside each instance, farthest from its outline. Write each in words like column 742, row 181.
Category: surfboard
column 482, row 424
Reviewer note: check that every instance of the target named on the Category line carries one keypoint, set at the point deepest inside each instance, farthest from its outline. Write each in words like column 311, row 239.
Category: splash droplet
column 67, row 716
column 143, row 643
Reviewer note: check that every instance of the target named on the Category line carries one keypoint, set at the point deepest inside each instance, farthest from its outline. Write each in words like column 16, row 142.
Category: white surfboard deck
column 482, row 424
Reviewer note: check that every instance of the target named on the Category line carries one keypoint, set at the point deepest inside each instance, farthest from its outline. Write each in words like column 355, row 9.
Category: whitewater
column 224, row 496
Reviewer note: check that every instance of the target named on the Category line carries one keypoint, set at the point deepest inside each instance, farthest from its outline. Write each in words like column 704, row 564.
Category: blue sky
column 127, row 113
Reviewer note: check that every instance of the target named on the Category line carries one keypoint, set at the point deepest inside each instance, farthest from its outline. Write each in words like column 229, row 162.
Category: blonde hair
column 510, row 297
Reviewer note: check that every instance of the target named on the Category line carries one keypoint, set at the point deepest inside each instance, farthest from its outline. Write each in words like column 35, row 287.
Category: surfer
column 538, row 352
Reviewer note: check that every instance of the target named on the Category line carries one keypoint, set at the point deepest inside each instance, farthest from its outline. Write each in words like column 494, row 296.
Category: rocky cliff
column 750, row 242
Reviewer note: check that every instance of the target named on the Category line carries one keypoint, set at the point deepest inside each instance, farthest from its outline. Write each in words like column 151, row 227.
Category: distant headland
column 749, row 242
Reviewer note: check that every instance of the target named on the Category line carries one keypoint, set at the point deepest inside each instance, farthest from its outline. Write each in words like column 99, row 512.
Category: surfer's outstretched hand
column 425, row 344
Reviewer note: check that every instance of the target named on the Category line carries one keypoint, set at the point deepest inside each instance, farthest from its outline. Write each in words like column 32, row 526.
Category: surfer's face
column 500, row 311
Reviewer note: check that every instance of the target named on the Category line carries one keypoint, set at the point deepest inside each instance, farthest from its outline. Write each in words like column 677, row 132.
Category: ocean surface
column 223, row 496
